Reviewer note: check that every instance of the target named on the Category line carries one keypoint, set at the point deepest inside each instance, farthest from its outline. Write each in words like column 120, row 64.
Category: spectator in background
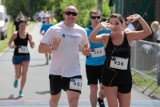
column 131, row 26
column 128, row 26
column 43, row 30
column 155, row 26
column 43, row 19
column 42, row 15
column 52, row 19
column 15, row 26
column 95, row 61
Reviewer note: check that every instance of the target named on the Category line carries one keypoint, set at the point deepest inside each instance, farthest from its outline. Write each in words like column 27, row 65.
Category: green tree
column 13, row 10
column 38, row 5
column 30, row 7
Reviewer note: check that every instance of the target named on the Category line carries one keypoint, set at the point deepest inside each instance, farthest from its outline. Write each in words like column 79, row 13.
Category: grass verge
column 140, row 83
column 3, row 43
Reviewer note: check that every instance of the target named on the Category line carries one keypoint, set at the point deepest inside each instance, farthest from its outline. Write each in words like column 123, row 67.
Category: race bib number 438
column 119, row 63
column 76, row 84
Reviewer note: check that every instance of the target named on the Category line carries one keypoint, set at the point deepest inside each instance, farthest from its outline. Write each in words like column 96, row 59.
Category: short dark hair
column 95, row 11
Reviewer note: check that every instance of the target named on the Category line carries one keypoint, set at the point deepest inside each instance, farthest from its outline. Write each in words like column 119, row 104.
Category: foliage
column 13, row 10
column 26, row 6
column 105, row 10
column 38, row 5
column 4, row 43
column 83, row 9
column 83, row 6
column 30, row 7
column 56, row 8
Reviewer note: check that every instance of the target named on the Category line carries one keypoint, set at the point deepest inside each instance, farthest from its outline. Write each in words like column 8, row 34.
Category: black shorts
column 120, row 78
column 123, row 88
column 93, row 74
column 57, row 83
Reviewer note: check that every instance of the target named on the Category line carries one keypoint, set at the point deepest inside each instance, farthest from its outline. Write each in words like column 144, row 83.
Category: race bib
column 76, row 84
column 119, row 63
column 97, row 52
column 23, row 49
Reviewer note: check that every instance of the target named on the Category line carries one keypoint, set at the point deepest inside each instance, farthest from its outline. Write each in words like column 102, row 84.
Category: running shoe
column 15, row 84
column 21, row 94
column 101, row 102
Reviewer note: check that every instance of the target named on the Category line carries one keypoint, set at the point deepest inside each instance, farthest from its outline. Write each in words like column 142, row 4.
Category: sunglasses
column 94, row 17
column 71, row 13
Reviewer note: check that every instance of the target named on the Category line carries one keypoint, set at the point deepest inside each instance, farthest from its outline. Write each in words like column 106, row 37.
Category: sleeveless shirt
column 21, row 45
column 117, row 69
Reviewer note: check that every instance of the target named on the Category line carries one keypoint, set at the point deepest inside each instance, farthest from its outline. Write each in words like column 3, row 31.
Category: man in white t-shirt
column 64, row 40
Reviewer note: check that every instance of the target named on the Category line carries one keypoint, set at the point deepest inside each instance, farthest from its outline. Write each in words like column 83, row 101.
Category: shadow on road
column 43, row 92
column 37, row 65
column 11, row 97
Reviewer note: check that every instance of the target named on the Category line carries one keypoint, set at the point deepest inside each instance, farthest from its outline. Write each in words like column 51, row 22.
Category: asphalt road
column 36, row 90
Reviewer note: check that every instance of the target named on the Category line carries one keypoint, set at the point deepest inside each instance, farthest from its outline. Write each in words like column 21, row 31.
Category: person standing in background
column 52, row 19
column 155, row 26
column 95, row 61
column 21, row 56
column 43, row 30
column 15, row 26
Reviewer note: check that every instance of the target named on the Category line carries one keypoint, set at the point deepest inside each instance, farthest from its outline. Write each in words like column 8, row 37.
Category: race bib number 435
column 76, row 84
column 119, row 63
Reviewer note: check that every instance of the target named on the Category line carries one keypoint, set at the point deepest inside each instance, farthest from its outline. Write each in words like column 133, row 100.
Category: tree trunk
column 99, row 5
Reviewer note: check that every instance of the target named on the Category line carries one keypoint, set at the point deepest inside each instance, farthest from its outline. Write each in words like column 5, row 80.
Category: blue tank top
column 97, row 56
column 45, row 27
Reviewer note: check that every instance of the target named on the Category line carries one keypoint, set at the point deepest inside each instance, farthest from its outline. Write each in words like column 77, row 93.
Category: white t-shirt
column 65, row 60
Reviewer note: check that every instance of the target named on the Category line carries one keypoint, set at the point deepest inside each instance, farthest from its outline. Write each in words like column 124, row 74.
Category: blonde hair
column 155, row 25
